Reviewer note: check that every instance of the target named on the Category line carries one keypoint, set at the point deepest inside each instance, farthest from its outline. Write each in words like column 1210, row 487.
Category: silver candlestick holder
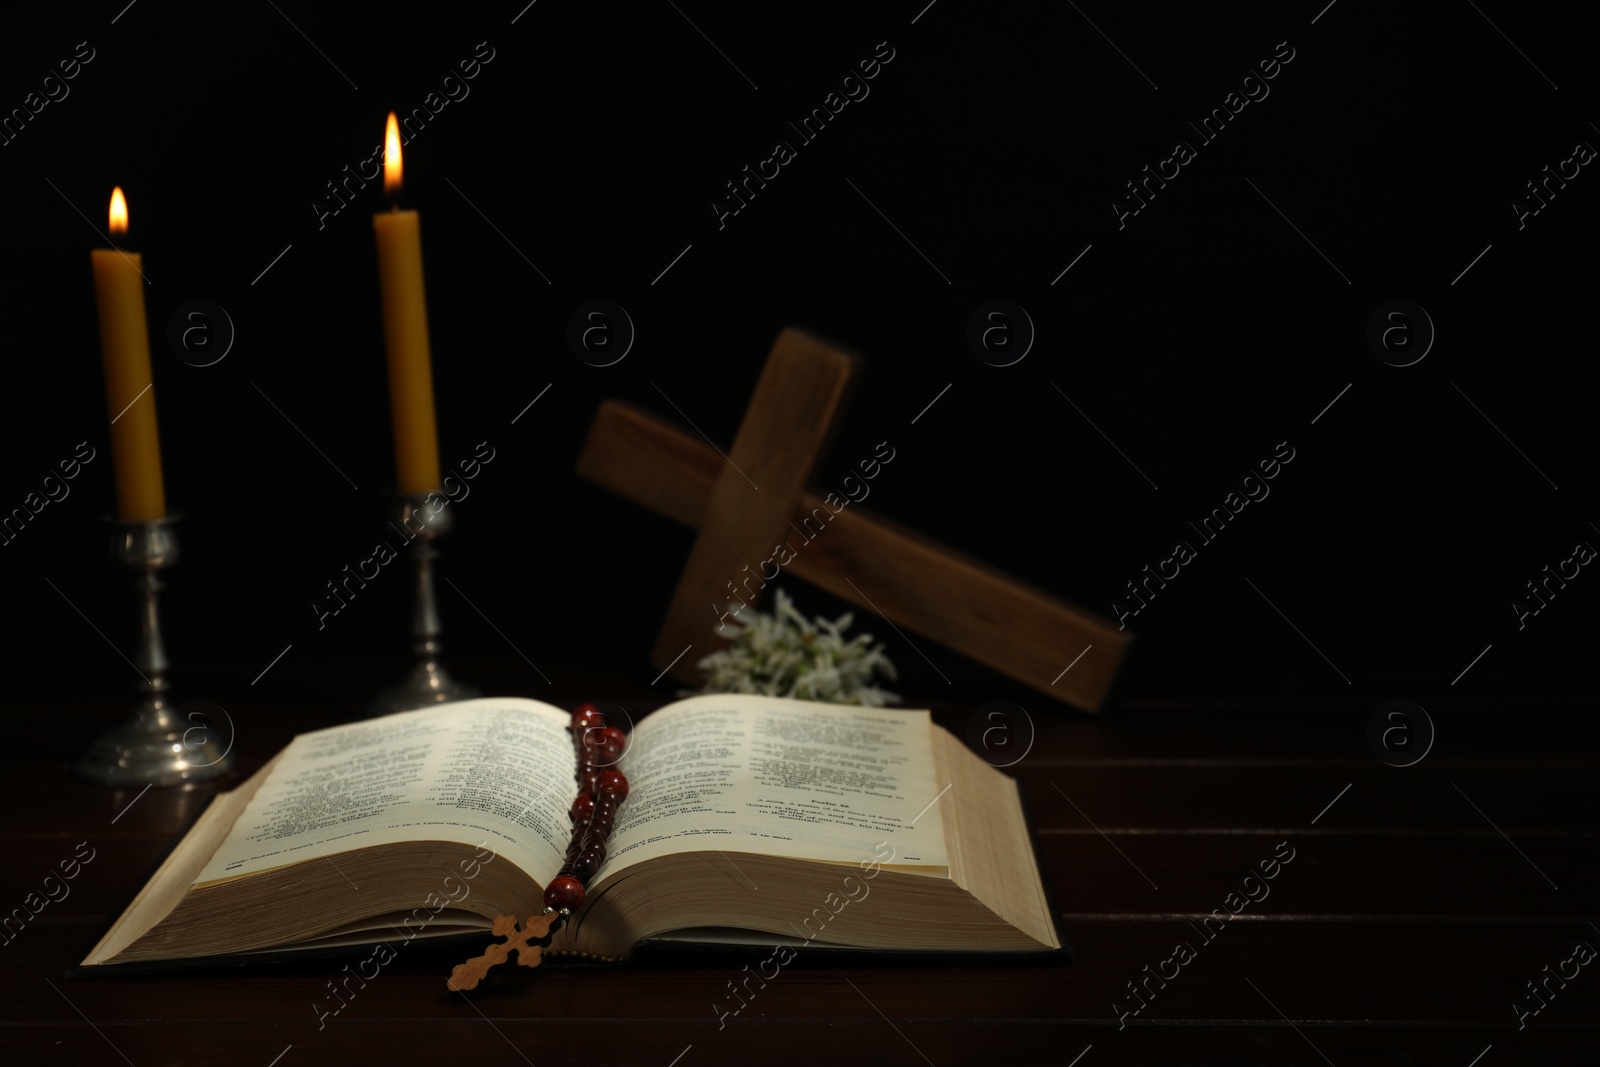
column 156, row 746
column 428, row 683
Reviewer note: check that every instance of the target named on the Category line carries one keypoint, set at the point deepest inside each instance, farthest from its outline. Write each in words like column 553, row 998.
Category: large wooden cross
column 743, row 506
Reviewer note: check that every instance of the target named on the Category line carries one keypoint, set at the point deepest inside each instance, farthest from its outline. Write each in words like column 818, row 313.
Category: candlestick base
column 157, row 745
column 154, row 747
column 428, row 683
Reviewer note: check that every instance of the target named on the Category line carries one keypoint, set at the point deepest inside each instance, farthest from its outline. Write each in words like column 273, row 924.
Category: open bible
column 749, row 819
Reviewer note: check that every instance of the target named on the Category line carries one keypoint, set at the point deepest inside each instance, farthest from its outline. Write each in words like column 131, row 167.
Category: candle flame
column 391, row 156
column 119, row 211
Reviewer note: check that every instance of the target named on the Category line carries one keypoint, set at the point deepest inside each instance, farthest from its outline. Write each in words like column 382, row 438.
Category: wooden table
column 1418, row 902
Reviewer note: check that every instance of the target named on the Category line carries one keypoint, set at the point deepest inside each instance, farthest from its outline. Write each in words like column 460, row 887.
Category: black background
column 1196, row 338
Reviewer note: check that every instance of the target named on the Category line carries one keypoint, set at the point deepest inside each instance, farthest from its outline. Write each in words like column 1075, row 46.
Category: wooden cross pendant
column 467, row 975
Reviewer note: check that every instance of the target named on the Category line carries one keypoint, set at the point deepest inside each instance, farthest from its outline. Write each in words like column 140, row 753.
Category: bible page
column 779, row 777
column 496, row 773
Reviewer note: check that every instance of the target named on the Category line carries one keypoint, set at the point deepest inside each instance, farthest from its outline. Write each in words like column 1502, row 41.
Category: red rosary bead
column 594, row 811
column 586, row 866
column 564, row 892
column 587, row 715
column 587, row 863
column 610, row 744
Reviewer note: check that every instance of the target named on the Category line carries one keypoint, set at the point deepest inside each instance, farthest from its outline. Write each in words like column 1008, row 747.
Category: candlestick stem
column 428, row 683
column 156, row 745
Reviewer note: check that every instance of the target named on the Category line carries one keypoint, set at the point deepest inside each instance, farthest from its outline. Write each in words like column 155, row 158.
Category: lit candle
column 405, row 332
column 130, row 396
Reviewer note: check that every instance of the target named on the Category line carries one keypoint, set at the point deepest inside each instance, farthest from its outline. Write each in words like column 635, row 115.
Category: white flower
column 787, row 655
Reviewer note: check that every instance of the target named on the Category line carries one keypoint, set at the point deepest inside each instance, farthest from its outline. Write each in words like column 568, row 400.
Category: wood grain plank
column 1421, row 800
column 1247, row 1036
column 1401, row 931
column 1358, row 875
column 1336, row 971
